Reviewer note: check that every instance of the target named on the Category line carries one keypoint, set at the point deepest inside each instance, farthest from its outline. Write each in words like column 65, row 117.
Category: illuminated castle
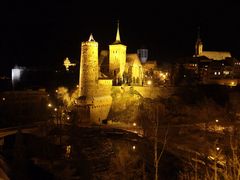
column 101, row 73
column 98, row 74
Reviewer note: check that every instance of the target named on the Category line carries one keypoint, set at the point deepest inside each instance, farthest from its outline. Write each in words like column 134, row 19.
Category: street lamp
column 149, row 82
column 216, row 120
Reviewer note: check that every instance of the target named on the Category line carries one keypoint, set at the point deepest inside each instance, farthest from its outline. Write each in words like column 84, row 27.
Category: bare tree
column 152, row 114
column 232, row 168
column 158, row 153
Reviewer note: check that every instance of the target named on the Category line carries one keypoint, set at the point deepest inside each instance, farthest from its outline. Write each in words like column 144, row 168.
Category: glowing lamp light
column 149, row 82
column 216, row 120
column 49, row 105
column 133, row 147
column 68, row 118
column 3, row 99
column 232, row 83
column 134, row 124
column 217, row 148
column 55, row 109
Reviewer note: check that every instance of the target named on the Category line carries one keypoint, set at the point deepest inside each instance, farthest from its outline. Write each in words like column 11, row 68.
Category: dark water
column 94, row 154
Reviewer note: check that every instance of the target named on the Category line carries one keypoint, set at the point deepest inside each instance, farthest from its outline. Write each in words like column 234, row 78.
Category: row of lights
column 55, row 109
column 217, row 148
column 50, row 105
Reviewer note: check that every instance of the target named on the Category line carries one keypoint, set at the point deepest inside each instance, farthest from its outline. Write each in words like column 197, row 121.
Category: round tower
column 88, row 68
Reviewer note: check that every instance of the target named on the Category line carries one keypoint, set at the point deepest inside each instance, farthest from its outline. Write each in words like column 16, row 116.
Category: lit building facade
column 117, row 59
column 212, row 67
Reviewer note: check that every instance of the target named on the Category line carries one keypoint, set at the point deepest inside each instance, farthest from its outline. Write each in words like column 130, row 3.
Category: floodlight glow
column 16, row 74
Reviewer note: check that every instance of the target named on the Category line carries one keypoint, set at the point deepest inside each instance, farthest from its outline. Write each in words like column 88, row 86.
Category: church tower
column 117, row 59
column 198, row 45
column 88, row 68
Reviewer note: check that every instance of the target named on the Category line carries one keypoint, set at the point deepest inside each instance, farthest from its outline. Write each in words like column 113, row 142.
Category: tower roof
column 199, row 41
column 91, row 38
column 118, row 40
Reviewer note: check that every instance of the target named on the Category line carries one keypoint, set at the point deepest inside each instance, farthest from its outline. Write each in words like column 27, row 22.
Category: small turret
column 91, row 38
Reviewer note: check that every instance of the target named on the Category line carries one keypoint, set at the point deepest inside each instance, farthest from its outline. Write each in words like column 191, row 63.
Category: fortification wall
column 148, row 91
column 100, row 109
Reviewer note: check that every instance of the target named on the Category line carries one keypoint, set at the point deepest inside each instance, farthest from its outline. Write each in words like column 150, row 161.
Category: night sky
column 41, row 33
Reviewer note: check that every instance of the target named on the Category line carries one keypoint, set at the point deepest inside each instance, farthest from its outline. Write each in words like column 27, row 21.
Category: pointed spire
column 198, row 33
column 199, row 41
column 91, row 38
column 118, row 40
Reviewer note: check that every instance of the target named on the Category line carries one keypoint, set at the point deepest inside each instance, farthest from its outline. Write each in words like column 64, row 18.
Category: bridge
column 26, row 129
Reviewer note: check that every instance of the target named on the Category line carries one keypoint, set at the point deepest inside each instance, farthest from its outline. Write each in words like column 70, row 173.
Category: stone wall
column 148, row 91
column 88, row 68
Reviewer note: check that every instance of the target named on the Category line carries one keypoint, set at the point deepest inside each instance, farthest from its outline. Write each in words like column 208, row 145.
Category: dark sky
column 43, row 33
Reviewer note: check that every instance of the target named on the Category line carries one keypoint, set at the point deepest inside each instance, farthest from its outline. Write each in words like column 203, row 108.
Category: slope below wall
column 147, row 91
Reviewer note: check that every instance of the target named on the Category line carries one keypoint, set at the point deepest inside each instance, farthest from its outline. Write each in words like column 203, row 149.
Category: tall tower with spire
column 117, row 58
column 88, row 68
column 198, row 44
